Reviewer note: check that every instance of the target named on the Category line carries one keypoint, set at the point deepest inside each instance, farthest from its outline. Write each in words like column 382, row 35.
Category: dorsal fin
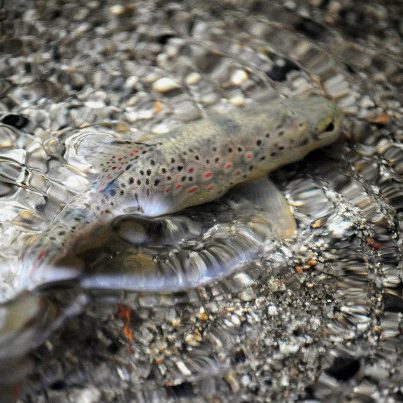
column 116, row 158
column 109, row 153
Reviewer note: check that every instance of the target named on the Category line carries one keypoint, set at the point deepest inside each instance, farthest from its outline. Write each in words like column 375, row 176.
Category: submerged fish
column 195, row 164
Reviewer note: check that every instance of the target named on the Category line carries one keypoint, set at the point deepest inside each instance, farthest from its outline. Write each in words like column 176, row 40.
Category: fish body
column 190, row 166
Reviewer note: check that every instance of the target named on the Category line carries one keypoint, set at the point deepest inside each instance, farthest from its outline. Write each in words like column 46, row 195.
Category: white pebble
column 89, row 395
column 165, row 84
column 238, row 100
column 193, row 78
column 288, row 349
column 131, row 81
column 239, row 76
column 117, row 9
column 95, row 104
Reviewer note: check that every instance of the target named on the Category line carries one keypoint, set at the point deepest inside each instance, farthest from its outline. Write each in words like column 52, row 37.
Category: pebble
column 238, row 77
column 131, row 81
column 193, row 78
column 288, row 349
column 164, row 85
column 117, row 9
column 95, row 104
column 238, row 100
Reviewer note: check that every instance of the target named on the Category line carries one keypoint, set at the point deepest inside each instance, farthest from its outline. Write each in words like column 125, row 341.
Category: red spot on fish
column 134, row 152
column 191, row 170
column 249, row 156
column 193, row 189
column 208, row 175
column 167, row 189
column 41, row 254
column 210, row 187
column 228, row 165
column 237, row 173
column 178, row 186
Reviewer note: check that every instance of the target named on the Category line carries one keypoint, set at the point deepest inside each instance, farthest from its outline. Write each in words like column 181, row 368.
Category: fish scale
column 195, row 164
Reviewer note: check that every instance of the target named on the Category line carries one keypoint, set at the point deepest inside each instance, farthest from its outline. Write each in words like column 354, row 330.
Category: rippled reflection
column 317, row 317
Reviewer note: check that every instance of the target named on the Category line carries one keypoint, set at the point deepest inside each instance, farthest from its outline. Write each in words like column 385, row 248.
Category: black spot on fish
column 148, row 172
column 130, row 181
column 157, row 182
column 259, row 142
column 139, row 182
column 303, row 142
column 128, row 167
column 179, row 168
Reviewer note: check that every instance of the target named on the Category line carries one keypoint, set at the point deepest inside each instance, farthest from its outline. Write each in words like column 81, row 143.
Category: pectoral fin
column 265, row 194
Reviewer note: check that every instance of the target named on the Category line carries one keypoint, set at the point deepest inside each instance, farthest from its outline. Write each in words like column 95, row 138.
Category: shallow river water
column 234, row 312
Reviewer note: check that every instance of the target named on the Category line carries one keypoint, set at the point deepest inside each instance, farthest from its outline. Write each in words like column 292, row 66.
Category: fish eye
column 329, row 127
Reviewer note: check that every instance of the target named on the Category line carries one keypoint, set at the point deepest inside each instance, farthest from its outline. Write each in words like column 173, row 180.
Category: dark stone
column 392, row 303
column 279, row 73
column 17, row 121
column 343, row 368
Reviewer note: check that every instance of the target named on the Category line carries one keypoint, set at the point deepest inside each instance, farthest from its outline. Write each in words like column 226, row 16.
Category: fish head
column 326, row 121
column 320, row 123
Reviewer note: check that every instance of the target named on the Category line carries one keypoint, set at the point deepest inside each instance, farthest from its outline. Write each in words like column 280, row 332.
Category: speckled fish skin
column 193, row 165
column 203, row 160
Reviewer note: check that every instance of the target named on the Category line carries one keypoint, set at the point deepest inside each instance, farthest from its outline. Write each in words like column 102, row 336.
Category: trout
column 192, row 165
